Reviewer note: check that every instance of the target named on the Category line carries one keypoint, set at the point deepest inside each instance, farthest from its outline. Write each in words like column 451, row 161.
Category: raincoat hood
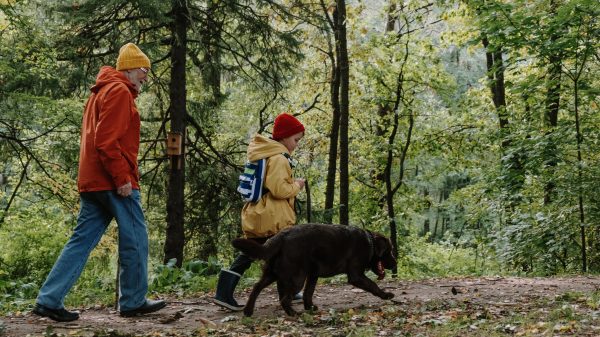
column 108, row 75
column 262, row 147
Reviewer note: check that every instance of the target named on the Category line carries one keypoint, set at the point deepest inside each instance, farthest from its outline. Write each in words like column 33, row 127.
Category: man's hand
column 124, row 190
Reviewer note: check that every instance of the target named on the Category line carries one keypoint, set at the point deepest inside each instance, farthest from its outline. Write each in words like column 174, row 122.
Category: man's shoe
column 59, row 315
column 146, row 308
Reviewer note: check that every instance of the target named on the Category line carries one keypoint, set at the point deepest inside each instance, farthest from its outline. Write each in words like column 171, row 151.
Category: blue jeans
column 97, row 209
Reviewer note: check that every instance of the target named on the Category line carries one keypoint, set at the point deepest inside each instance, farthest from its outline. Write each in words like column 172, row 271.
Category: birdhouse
column 174, row 143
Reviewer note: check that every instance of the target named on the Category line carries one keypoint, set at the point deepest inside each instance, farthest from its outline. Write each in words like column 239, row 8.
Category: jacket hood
column 262, row 147
column 108, row 75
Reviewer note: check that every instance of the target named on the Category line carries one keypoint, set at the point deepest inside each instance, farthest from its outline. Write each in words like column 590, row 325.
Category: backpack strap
column 263, row 168
column 291, row 160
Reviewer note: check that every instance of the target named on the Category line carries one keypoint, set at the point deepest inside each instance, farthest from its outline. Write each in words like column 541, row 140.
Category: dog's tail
column 257, row 251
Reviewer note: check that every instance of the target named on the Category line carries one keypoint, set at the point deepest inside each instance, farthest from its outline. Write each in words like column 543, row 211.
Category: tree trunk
column 334, row 88
column 211, row 63
column 426, row 224
column 175, row 236
column 551, row 121
column 390, row 187
column 580, row 176
column 551, row 114
column 511, row 163
column 433, row 236
column 495, row 70
column 211, row 78
column 385, row 109
column 344, row 111
column 437, row 217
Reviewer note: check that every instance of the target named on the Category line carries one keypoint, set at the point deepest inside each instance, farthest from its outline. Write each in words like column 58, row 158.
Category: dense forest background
column 468, row 131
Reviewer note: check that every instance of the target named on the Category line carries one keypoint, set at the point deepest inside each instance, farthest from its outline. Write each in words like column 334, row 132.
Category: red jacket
column 110, row 135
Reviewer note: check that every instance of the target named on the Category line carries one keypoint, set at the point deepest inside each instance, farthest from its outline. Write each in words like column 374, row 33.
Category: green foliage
column 193, row 276
column 593, row 301
column 31, row 241
column 419, row 258
column 16, row 295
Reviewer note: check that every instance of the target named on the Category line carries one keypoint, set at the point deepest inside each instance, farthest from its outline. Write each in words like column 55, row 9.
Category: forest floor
column 484, row 306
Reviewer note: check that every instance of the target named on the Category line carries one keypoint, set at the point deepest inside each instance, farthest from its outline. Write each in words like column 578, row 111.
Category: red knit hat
column 286, row 125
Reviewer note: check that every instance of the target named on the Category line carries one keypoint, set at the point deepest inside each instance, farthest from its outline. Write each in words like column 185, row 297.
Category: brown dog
column 303, row 253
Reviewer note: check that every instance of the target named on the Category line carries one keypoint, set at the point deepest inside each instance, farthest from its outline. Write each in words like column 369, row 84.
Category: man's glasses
column 144, row 70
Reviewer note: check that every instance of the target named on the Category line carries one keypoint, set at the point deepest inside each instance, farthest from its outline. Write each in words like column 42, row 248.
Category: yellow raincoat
column 275, row 210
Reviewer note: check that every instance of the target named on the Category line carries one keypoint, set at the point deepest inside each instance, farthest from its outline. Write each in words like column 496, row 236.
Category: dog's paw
column 248, row 311
column 387, row 296
column 291, row 312
column 312, row 308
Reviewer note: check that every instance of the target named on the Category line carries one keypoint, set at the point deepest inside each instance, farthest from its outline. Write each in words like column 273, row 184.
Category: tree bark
column 580, row 177
column 495, row 71
column 334, row 89
column 551, row 113
column 344, row 111
column 427, row 223
column 211, row 63
column 513, row 163
column 175, row 236
column 551, row 122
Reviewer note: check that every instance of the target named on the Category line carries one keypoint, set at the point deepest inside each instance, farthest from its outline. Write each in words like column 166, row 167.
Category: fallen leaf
column 207, row 322
column 229, row 319
column 172, row 318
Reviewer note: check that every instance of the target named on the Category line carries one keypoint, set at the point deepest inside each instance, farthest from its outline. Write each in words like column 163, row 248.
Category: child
column 275, row 210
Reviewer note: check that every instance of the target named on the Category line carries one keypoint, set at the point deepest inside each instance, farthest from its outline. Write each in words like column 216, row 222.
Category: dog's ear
column 382, row 245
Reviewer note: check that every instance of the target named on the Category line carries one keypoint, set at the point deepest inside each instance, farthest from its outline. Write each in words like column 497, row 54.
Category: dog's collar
column 371, row 247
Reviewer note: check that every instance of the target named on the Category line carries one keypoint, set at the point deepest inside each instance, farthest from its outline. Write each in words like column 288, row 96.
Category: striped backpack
column 252, row 180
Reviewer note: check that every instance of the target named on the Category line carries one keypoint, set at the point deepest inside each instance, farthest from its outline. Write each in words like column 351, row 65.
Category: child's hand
column 300, row 182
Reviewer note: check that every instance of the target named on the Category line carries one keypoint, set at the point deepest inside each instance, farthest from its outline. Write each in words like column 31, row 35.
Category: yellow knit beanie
column 130, row 57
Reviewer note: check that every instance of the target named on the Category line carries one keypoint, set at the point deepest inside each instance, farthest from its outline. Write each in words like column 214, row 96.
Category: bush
column 31, row 240
column 193, row 276
column 419, row 258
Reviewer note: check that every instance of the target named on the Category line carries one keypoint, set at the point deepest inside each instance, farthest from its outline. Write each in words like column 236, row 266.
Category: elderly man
column 108, row 184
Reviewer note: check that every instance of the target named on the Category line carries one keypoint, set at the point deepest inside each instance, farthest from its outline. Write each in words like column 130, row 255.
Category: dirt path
column 185, row 317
